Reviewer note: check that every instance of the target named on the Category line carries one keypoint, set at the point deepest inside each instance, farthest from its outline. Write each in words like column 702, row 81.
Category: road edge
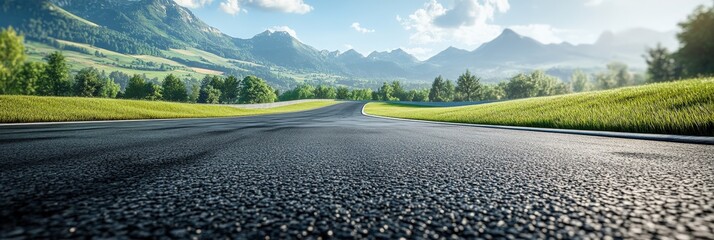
column 638, row 136
column 144, row 119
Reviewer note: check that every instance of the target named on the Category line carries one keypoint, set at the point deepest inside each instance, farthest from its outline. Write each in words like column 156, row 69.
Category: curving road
column 332, row 172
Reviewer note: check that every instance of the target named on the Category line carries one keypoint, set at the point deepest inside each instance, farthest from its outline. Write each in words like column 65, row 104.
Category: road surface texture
column 332, row 172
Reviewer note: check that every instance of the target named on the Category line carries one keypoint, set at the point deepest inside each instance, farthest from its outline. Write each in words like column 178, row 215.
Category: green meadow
column 16, row 109
column 683, row 107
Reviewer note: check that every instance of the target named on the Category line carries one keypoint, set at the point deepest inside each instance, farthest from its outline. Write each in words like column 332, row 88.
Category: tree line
column 52, row 78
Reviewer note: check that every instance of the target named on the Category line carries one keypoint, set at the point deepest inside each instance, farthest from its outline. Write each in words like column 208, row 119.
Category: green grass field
column 684, row 107
column 16, row 109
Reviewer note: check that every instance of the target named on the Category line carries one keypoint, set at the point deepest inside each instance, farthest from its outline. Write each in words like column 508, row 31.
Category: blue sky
column 425, row 27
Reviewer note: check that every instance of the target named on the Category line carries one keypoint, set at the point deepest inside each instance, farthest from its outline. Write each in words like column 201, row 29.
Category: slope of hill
column 683, row 107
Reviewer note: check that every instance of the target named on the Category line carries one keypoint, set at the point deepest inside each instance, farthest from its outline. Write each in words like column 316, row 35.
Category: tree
column 548, row 85
column 231, row 87
column 661, row 65
column 521, row 86
column 361, row 94
column 533, row 85
column 696, row 53
column 29, row 77
column 256, row 90
column 438, row 92
column 12, row 56
column 386, row 93
column 174, row 89
column 468, row 87
column 616, row 75
column 342, row 93
column 87, row 82
column 216, row 84
column 325, row 92
column 623, row 77
column 579, row 81
column 493, row 92
column 210, row 95
column 450, row 90
column 153, row 91
column 56, row 81
column 302, row 91
column 419, row 95
column 136, row 88
column 195, row 91
column 109, row 89
column 120, row 78
column 398, row 91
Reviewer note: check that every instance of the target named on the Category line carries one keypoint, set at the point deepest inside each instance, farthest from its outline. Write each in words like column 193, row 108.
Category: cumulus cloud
column 287, row 6
column 193, row 3
column 284, row 29
column 356, row 26
column 230, row 6
column 470, row 12
column 469, row 22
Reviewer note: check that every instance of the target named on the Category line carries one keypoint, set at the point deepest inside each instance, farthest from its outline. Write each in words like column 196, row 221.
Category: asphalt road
column 332, row 172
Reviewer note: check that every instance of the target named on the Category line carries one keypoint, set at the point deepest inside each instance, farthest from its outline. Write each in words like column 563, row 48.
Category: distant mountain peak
column 509, row 34
column 274, row 33
column 508, row 31
column 351, row 52
column 398, row 56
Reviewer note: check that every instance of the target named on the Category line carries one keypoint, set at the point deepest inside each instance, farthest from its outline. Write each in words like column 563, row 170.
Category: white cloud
column 593, row 3
column 284, row 29
column 359, row 28
column 470, row 12
column 231, row 7
column 287, row 6
column 472, row 26
column 420, row 52
column 349, row 46
column 193, row 3
column 548, row 34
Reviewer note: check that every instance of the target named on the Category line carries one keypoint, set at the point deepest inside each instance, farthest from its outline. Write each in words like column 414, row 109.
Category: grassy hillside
column 684, row 107
column 113, row 61
column 15, row 109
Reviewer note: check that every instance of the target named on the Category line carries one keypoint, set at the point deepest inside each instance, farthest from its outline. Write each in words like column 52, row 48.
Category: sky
column 426, row 27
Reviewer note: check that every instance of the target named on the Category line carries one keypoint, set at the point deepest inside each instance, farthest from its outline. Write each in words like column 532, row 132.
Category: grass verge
column 16, row 109
column 683, row 107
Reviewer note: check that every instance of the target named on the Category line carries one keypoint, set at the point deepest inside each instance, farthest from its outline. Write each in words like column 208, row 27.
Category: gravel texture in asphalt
column 332, row 172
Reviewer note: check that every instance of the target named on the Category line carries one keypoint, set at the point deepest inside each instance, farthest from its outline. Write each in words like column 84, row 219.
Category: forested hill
column 43, row 21
column 161, row 23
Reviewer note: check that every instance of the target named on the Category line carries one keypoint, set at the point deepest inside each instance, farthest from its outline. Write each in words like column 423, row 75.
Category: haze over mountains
column 153, row 27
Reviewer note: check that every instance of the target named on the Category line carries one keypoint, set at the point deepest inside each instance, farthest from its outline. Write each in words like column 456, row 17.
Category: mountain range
column 156, row 27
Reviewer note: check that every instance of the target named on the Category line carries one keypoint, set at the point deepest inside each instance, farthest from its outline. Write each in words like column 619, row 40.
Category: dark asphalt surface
column 332, row 172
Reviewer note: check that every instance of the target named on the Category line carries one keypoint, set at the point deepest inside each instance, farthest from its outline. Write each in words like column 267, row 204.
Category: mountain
column 166, row 30
column 43, row 21
column 450, row 55
column 354, row 63
column 162, row 23
column 398, row 56
column 280, row 48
